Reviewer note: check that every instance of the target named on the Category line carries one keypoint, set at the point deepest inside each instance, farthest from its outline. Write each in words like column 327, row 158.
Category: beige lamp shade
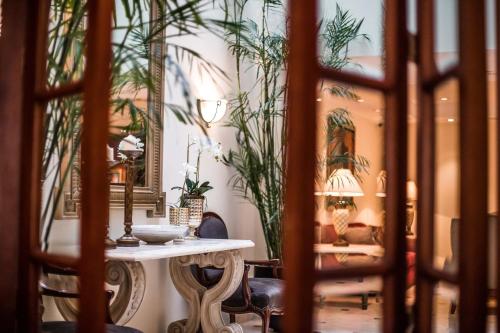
column 381, row 184
column 411, row 190
column 342, row 183
column 411, row 187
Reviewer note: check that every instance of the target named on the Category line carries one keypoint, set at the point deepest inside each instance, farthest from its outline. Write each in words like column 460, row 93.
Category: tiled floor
column 344, row 315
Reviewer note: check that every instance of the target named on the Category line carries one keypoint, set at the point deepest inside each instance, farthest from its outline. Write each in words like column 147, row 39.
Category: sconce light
column 211, row 111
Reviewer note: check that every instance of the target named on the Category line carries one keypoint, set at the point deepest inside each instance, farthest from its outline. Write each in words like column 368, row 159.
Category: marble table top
column 168, row 250
column 371, row 250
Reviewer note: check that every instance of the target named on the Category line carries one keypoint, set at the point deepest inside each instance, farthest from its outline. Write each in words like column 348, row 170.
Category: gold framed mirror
column 148, row 190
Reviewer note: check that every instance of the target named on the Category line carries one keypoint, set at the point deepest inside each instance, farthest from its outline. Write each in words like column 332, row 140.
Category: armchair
column 68, row 326
column 262, row 296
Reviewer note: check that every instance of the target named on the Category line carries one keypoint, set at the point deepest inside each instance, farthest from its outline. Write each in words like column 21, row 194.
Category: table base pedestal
column 205, row 305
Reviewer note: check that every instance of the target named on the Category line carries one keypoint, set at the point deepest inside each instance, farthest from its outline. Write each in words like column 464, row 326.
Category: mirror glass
column 136, row 109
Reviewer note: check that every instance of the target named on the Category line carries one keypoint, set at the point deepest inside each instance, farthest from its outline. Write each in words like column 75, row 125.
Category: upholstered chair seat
column 260, row 295
column 71, row 327
column 264, row 293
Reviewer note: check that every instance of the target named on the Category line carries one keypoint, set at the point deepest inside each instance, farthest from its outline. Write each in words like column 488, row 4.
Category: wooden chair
column 69, row 326
column 263, row 296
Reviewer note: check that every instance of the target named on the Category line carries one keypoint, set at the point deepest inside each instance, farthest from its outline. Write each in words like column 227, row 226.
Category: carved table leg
column 209, row 311
column 211, row 317
column 191, row 291
column 129, row 280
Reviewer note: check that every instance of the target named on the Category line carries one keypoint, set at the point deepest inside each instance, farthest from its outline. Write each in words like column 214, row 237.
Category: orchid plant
column 193, row 186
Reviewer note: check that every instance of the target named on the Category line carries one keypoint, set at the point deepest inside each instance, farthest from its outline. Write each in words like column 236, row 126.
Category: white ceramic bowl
column 159, row 233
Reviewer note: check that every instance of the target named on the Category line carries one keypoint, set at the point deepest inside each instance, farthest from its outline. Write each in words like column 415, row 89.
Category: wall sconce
column 211, row 111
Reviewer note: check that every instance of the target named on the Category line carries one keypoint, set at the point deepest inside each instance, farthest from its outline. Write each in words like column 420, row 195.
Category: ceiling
column 369, row 104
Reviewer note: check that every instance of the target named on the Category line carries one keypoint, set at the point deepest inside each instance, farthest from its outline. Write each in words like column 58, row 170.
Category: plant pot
column 195, row 204
column 179, row 215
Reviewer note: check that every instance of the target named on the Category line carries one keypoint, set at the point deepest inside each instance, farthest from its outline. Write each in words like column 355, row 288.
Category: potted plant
column 193, row 189
column 258, row 111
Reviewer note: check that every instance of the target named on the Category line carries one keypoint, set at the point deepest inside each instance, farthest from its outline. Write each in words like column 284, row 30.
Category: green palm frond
column 258, row 111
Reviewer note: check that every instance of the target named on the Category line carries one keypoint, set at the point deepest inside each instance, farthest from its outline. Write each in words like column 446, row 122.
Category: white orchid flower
column 216, row 151
column 205, row 144
column 187, row 169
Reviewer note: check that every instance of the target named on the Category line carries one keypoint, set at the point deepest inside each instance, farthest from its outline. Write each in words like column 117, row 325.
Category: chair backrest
column 212, row 226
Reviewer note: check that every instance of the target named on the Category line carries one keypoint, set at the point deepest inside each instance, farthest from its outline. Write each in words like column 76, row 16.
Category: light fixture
column 341, row 183
column 444, row 99
column 411, row 198
column 451, row 120
column 211, row 111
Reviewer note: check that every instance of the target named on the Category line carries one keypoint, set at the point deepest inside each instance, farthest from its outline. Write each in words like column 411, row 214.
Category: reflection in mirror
column 136, row 108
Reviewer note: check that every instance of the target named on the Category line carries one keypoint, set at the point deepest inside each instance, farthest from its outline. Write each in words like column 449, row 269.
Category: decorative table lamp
column 342, row 184
column 109, row 243
column 411, row 197
column 130, row 148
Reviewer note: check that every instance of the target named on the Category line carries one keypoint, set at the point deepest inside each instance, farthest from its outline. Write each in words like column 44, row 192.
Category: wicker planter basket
column 178, row 216
column 195, row 205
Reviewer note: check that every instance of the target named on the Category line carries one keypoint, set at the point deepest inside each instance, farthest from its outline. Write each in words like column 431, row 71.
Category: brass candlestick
column 128, row 239
column 108, row 242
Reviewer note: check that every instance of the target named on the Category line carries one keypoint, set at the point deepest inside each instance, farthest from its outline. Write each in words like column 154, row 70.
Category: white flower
column 187, row 169
column 216, row 151
column 131, row 143
column 205, row 144
column 122, row 156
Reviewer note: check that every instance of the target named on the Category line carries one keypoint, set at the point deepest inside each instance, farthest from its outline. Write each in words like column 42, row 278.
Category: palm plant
column 135, row 33
column 259, row 159
column 339, row 120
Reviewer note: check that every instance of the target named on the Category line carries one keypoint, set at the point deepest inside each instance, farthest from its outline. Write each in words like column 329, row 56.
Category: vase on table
column 195, row 204
column 178, row 215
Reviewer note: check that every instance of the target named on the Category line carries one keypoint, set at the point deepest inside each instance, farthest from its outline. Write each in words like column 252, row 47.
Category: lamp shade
column 411, row 190
column 342, row 183
column 212, row 110
column 381, row 184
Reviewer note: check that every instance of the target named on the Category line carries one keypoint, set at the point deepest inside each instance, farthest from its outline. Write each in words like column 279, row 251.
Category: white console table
column 124, row 270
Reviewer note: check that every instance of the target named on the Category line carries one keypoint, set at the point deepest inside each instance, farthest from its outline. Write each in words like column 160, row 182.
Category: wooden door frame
column 471, row 277
column 13, row 56
column 304, row 73
column 30, row 97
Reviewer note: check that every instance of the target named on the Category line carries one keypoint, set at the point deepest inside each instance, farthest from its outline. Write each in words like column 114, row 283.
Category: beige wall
column 447, row 203
column 369, row 143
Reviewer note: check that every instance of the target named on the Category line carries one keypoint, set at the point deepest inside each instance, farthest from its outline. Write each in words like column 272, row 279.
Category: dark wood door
column 304, row 73
column 29, row 106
